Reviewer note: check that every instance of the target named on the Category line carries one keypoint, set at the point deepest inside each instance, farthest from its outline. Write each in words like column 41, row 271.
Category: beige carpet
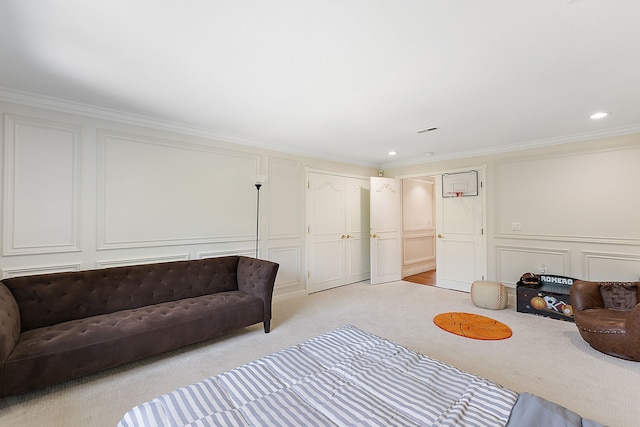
column 544, row 356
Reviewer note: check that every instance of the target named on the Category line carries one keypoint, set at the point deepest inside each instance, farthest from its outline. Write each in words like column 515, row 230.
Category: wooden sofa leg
column 267, row 326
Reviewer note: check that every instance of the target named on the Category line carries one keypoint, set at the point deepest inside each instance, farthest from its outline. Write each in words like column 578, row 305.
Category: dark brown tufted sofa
column 607, row 315
column 55, row 327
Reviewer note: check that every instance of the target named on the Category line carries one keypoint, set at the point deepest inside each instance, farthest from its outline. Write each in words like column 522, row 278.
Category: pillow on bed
column 618, row 295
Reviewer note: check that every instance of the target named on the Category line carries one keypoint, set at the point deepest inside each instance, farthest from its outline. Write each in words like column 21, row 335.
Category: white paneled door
column 338, row 226
column 461, row 243
column 386, row 230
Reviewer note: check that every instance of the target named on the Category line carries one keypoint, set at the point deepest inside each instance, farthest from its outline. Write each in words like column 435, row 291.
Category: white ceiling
column 339, row 79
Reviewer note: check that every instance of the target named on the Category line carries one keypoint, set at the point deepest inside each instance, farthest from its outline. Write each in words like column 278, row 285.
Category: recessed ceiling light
column 392, row 153
column 599, row 115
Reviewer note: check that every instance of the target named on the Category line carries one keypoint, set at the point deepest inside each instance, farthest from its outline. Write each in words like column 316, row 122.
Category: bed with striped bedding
column 345, row 377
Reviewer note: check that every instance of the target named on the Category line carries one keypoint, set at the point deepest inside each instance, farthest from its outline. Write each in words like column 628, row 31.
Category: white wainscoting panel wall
column 216, row 254
column 153, row 192
column 41, row 186
column 418, row 248
column 137, row 261
column 289, row 272
column 572, row 212
column 514, row 261
column 46, row 269
column 93, row 191
column 285, row 200
column 607, row 267
column 586, row 197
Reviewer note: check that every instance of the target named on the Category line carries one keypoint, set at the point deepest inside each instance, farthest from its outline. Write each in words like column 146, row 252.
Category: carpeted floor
column 544, row 356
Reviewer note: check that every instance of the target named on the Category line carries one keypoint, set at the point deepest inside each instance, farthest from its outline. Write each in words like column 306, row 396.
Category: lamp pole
column 258, row 185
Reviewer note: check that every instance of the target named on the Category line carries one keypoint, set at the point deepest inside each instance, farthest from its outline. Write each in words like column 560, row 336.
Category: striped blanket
column 345, row 377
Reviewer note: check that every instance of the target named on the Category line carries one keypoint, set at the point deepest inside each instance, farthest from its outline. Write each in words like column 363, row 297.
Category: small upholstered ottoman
column 486, row 294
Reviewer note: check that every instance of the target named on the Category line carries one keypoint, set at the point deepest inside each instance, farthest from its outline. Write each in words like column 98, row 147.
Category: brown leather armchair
column 608, row 316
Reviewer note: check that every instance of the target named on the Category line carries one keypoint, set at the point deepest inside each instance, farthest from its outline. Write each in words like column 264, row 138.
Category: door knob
column 440, row 236
column 349, row 236
column 374, row 236
column 343, row 236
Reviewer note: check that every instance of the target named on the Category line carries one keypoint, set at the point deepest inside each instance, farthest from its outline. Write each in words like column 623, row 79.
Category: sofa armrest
column 9, row 322
column 633, row 322
column 257, row 277
column 584, row 295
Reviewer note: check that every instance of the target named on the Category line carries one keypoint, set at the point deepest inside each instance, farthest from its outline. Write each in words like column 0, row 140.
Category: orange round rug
column 472, row 326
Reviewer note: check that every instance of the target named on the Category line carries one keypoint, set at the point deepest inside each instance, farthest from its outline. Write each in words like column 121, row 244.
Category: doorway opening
column 426, row 278
column 453, row 238
column 419, row 230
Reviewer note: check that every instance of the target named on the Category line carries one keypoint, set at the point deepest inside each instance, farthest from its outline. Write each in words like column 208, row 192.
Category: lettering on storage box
column 548, row 296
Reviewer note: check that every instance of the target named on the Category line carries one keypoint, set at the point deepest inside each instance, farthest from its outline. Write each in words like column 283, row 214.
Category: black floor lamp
column 259, row 180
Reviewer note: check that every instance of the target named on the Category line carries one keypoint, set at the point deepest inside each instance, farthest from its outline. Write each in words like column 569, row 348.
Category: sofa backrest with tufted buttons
column 49, row 299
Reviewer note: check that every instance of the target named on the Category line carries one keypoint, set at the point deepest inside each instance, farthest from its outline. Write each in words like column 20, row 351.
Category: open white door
column 461, row 243
column 386, row 230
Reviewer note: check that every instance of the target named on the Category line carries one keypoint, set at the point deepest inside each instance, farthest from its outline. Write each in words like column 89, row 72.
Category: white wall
column 578, row 214
column 82, row 192
column 577, row 205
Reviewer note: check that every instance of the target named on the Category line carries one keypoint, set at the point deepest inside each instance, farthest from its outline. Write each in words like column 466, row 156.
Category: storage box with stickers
column 545, row 295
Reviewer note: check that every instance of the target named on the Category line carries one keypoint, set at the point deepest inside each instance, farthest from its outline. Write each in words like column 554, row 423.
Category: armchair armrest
column 633, row 323
column 257, row 277
column 9, row 323
column 584, row 295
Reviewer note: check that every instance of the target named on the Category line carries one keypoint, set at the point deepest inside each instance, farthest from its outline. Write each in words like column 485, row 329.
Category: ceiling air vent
column 426, row 130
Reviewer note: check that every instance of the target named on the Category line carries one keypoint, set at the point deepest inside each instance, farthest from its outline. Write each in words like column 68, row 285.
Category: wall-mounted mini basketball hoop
column 454, row 194
column 460, row 184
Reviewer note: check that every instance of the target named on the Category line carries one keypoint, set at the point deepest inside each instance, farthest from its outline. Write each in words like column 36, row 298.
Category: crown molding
column 72, row 107
column 87, row 110
column 547, row 142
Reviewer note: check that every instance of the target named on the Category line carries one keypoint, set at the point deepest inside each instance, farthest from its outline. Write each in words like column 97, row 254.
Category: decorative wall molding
column 568, row 238
column 417, row 269
column 86, row 110
column 622, row 266
column 566, row 184
column 41, row 174
column 143, row 260
column 248, row 252
column 27, row 271
column 408, row 262
column 419, row 230
column 547, row 142
column 309, row 170
column 93, row 242
column 513, row 261
column 426, row 241
column 183, row 194
column 289, row 273
column 285, row 199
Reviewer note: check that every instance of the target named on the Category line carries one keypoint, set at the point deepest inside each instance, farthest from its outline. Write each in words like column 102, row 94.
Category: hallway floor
column 424, row 278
